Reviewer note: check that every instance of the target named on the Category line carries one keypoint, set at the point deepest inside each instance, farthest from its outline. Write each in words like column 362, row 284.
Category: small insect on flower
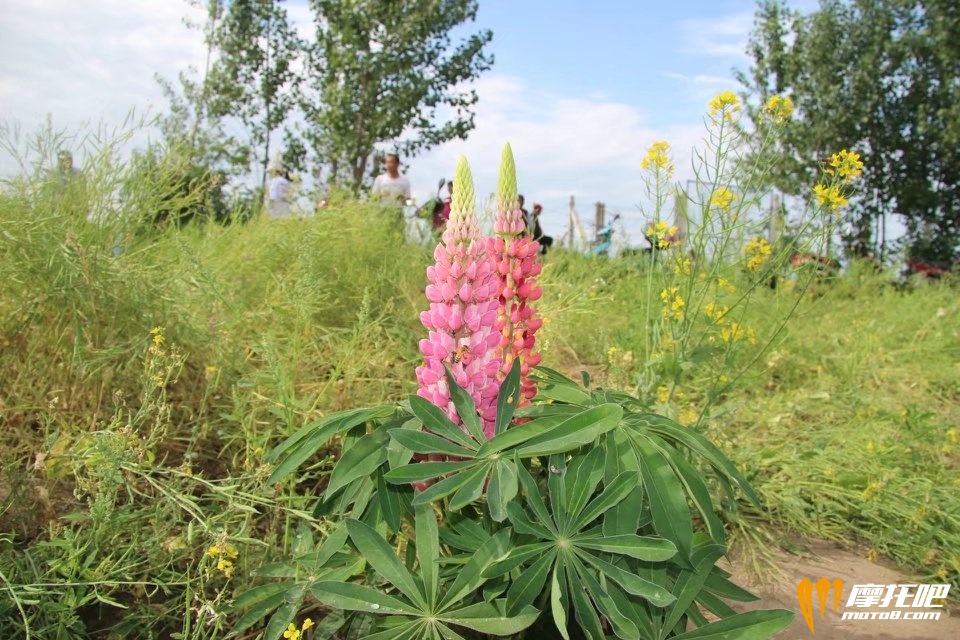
column 459, row 354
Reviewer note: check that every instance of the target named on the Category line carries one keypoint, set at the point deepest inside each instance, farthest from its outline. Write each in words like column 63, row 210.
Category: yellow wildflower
column 715, row 312
column 682, row 267
column 736, row 332
column 672, row 304
column 846, row 164
column 307, row 624
column 758, row 251
column 157, row 333
column 658, row 158
column 722, row 198
column 661, row 234
column 830, row 196
column 723, row 283
column 779, row 108
column 726, row 103
column 292, row 633
column 663, row 394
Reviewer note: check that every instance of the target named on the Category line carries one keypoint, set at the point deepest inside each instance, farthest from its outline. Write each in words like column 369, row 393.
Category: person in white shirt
column 279, row 193
column 390, row 186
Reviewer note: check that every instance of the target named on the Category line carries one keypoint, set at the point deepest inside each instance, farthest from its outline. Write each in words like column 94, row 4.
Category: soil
column 814, row 560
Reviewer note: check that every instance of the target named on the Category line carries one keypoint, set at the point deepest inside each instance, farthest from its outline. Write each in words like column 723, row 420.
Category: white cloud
column 719, row 36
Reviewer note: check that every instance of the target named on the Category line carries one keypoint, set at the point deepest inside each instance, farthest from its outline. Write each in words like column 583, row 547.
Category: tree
column 386, row 70
column 879, row 77
column 192, row 126
column 253, row 76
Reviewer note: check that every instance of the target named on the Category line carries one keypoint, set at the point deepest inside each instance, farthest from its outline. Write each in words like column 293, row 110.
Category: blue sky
column 580, row 89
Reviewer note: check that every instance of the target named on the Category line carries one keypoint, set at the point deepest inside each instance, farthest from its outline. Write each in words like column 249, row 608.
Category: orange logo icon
column 805, row 596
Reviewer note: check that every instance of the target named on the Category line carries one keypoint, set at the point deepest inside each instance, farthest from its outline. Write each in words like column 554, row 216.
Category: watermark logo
column 805, row 595
column 897, row 601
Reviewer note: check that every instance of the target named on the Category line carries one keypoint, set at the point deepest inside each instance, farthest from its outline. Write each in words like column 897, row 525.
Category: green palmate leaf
column 583, row 475
column 428, row 552
column 330, row 546
column 420, row 471
column 557, row 491
column 718, row 582
column 382, row 558
column 544, row 410
column 394, row 502
column 502, row 489
column 465, row 407
column 621, row 458
column 575, row 431
column 613, row 493
column 470, row 576
column 585, row 613
column 328, row 425
column 525, row 589
column 559, row 600
column 633, row 584
column 471, row 489
column 285, row 613
column 637, row 612
column 689, row 583
column 524, row 525
column 397, row 454
column 518, row 435
column 446, row 633
column 517, row 557
column 435, row 419
column 714, row 605
column 695, row 442
column 263, row 608
column 425, row 442
column 355, row 597
column 752, row 625
column 448, row 485
column 414, row 630
column 533, row 498
column 668, row 502
column 360, row 460
column 487, row 617
column 622, row 625
column 555, row 386
column 508, row 398
column 632, row 545
column 698, row 491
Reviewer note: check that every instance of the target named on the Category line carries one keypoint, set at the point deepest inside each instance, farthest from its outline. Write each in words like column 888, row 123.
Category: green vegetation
column 149, row 372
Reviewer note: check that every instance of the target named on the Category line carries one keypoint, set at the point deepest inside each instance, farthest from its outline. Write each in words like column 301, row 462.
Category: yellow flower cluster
column 715, row 312
column 726, row 104
column 757, row 251
column 722, row 198
column 830, row 196
column 672, row 304
column 725, row 284
column 779, row 108
column 688, row 417
column 682, row 267
column 661, row 234
column 225, row 553
column 846, row 164
column 737, row 332
column 663, row 394
column 658, row 158
column 292, row 633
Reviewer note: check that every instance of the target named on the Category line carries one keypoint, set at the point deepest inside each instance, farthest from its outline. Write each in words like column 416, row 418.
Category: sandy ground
column 815, row 560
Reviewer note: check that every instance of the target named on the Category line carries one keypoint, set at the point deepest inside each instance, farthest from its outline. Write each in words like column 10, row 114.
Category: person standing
column 390, row 186
column 545, row 241
column 278, row 194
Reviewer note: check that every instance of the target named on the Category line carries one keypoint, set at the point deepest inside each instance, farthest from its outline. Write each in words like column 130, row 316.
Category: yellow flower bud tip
column 507, row 181
column 463, row 202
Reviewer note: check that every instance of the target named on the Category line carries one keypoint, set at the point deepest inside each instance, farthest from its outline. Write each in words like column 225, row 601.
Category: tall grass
column 146, row 368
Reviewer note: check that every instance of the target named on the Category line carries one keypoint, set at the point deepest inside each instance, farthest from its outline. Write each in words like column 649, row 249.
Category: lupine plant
column 504, row 499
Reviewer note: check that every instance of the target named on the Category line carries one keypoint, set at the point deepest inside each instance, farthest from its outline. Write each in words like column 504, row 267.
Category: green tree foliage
column 879, row 77
column 191, row 124
column 253, row 78
column 386, row 70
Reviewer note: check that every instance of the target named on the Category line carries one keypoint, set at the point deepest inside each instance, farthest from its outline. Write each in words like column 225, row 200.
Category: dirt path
column 815, row 560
